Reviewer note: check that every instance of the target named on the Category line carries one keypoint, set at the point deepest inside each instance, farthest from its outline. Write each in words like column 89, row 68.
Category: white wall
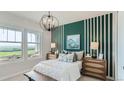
column 120, row 45
column 46, row 43
column 12, row 69
column 7, row 19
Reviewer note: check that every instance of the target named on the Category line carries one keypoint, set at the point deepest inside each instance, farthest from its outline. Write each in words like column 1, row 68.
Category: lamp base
column 94, row 54
column 52, row 51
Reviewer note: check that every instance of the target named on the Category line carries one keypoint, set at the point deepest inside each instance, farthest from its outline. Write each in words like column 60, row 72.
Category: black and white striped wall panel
column 100, row 29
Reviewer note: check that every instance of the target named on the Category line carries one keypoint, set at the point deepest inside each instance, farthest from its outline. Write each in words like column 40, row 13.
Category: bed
column 62, row 71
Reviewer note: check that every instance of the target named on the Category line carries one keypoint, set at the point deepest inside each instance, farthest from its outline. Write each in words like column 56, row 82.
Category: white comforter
column 59, row 70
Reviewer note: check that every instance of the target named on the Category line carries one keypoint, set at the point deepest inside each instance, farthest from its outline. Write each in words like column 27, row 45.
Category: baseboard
column 10, row 76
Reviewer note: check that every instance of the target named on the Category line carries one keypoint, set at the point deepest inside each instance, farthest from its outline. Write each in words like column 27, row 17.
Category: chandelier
column 49, row 22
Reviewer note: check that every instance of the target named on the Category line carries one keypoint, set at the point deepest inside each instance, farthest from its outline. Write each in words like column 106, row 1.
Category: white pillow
column 79, row 55
column 70, row 57
column 66, row 57
column 61, row 55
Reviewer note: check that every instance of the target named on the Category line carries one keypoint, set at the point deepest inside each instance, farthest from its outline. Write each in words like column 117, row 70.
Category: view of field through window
column 14, row 49
column 11, row 44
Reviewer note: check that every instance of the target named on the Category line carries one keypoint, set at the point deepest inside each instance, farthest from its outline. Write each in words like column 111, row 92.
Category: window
column 13, row 45
column 33, row 44
column 10, row 44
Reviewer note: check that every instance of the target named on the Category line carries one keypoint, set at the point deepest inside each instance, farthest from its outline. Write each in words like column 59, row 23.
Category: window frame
column 7, row 41
column 24, row 44
column 39, row 36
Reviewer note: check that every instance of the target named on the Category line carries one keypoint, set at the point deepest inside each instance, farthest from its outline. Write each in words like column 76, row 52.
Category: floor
column 21, row 77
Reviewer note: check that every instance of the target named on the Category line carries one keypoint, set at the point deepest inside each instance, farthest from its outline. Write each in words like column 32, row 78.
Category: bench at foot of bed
column 35, row 76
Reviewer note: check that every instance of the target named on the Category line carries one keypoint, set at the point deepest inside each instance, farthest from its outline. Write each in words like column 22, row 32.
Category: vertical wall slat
column 109, row 45
column 93, row 29
column 114, row 39
column 97, row 37
column 90, row 34
column 104, row 36
column 61, row 38
column 85, row 36
column 111, row 48
column 100, row 34
column 113, row 52
column 63, row 35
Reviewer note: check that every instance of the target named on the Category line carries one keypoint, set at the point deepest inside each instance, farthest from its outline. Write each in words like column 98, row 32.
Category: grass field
column 3, row 54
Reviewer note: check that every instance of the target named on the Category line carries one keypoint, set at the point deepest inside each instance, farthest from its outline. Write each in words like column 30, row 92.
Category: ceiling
column 64, row 17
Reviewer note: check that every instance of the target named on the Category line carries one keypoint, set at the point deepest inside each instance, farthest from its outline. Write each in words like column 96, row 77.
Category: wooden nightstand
column 94, row 67
column 51, row 56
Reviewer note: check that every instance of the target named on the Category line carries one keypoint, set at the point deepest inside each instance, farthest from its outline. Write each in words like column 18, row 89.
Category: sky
column 11, row 35
column 15, row 35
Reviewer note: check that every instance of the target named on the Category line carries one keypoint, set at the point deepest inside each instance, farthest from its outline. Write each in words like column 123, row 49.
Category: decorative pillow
column 67, row 57
column 79, row 55
column 69, row 52
column 70, row 57
column 75, row 57
column 61, row 55
column 65, row 52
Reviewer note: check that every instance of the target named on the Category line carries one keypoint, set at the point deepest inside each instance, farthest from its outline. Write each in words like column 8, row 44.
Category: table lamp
column 94, row 47
column 53, row 46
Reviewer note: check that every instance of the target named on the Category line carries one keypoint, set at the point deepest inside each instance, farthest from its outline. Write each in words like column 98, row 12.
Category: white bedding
column 62, row 71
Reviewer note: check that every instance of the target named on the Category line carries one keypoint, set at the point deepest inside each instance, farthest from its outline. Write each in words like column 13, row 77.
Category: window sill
column 20, row 60
column 10, row 61
column 34, row 58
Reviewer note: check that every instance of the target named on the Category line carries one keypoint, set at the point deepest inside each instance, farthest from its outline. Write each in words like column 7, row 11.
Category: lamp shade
column 94, row 45
column 53, row 45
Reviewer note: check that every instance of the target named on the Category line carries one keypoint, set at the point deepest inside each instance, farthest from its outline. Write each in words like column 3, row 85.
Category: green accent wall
column 73, row 29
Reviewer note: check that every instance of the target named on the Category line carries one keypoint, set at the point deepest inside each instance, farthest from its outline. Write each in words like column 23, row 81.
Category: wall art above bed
column 73, row 42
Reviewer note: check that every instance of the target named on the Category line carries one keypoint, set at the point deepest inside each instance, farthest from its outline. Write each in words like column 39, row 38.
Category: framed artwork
column 73, row 42
column 100, row 56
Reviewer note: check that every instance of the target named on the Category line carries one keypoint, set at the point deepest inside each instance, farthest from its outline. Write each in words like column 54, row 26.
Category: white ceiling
column 64, row 17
